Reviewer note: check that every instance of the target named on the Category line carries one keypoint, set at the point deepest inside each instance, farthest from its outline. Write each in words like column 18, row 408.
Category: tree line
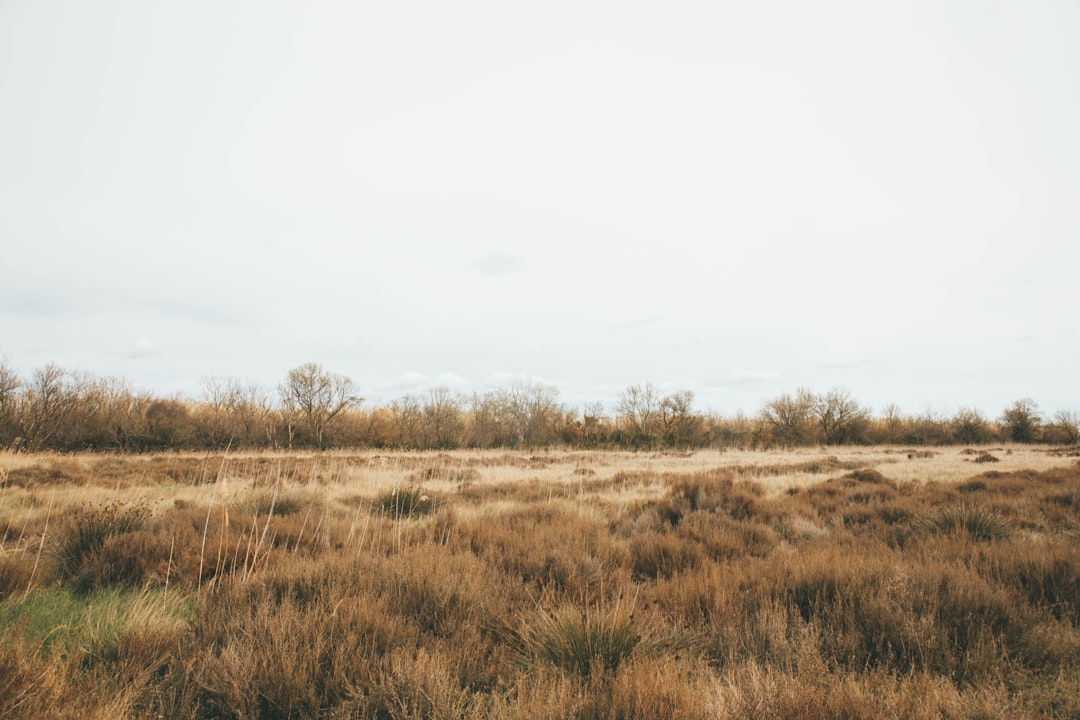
column 65, row 410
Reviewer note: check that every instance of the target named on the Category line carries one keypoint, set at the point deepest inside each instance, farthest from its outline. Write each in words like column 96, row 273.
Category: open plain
column 858, row 582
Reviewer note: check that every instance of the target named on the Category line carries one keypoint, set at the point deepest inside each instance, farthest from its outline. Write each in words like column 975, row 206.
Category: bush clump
column 406, row 500
column 581, row 641
column 83, row 537
column 978, row 522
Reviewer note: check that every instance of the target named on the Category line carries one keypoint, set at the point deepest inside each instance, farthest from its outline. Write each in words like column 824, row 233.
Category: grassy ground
column 860, row 583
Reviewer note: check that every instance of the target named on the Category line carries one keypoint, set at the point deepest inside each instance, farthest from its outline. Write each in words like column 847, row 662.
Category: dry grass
column 859, row 582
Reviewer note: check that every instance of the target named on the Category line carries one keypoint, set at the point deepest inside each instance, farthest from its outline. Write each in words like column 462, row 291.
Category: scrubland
column 862, row 582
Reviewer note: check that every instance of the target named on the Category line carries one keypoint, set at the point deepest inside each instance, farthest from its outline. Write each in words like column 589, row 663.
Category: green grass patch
column 93, row 624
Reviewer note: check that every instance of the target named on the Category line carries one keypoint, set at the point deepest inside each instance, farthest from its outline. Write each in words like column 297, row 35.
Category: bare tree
column 841, row 419
column 442, row 418
column 535, row 410
column 9, row 402
column 677, row 420
column 1066, row 427
column 789, row 417
column 595, row 426
column 215, row 424
column 48, row 400
column 236, row 414
column 639, row 408
column 969, row 426
column 892, row 421
column 1021, row 421
column 407, row 417
column 314, row 397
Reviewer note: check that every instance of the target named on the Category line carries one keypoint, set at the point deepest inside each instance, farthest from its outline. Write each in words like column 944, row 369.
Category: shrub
column 406, row 500
column 581, row 641
column 83, row 536
column 978, row 522
column 16, row 573
column 661, row 555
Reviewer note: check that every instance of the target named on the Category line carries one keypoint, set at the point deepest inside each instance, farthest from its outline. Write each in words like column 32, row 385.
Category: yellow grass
column 804, row 583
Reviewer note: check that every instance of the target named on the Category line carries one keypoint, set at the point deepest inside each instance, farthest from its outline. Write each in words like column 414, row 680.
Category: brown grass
column 858, row 583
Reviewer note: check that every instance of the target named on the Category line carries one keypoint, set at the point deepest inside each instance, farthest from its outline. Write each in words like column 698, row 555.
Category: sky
column 733, row 198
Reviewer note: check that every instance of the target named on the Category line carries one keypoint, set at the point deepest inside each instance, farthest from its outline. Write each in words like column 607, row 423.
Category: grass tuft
column 581, row 641
column 83, row 536
column 406, row 500
column 978, row 522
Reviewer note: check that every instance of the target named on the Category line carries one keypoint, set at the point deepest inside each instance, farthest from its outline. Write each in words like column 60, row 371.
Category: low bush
column 82, row 538
column 580, row 640
column 406, row 500
column 663, row 555
column 980, row 523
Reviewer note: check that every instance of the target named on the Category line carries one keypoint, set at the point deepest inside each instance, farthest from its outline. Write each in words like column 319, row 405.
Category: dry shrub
column 308, row 641
column 584, row 641
column 526, row 491
column 406, row 500
column 16, row 573
column 649, row 688
column 724, row 538
column 1007, row 484
column 415, row 684
column 713, row 494
column 280, row 503
column 696, row 598
column 441, row 591
column 656, row 555
column 97, row 655
column 936, row 618
column 798, row 528
column 22, row 677
column 445, row 472
column 718, row 493
column 978, row 522
column 360, row 635
column 49, row 472
column 1047, row 577
column 133, row 559
column 549, row 547
column 756, row 693
column 825, row 601
column 92, row 548
column 868, row 475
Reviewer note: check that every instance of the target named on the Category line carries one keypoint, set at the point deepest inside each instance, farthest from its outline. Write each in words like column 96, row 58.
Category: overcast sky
column 735, row 198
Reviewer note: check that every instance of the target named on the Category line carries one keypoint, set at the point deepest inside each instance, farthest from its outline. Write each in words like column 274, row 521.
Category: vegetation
column 62, row 410
column 869, row 582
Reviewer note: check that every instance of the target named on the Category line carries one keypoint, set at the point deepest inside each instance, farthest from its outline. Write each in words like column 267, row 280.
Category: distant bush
column 406, row 500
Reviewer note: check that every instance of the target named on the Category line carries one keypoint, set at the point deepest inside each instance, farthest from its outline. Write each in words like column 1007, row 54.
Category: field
column 857, row 582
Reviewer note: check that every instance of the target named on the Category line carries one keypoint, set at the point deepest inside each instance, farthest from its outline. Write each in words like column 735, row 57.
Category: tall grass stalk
column 202, row 551
column 168, row 570
column 37, row 557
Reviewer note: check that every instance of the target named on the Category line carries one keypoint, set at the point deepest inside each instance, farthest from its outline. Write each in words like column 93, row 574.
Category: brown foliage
column 620, row 594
